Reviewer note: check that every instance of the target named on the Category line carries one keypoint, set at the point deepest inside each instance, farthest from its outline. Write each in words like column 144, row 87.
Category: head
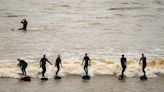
column 123, row 55
column 142, row 54
column 58, row 56
column 44, row 56
column 19, row 60
column 85, row 54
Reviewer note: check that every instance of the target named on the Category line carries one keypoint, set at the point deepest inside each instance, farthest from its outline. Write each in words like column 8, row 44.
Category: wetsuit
column 123, row 63
column 143, row 64
column 24, row 22
column 23, row 66
column 43, row 65
column 86, row 59
column 57, row 64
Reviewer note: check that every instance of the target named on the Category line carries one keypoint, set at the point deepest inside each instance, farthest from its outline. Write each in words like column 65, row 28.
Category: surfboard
column 143, row 78
column 121, row 77
column 57, row 77
column 44, row 78
column 86, row 77
column 24, row 78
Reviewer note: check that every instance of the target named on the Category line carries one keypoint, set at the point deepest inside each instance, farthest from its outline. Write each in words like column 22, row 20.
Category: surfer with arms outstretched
column 43, row 64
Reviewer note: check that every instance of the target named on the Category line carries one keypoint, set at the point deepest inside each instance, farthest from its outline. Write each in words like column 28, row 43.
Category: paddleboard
column 24, row 78
column 57, row 77
column 143, row 78
column 121, row 77
column 86, row 77
column 44, row 78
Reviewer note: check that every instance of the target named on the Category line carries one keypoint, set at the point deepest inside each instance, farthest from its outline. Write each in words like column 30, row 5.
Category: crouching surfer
column 23, row 65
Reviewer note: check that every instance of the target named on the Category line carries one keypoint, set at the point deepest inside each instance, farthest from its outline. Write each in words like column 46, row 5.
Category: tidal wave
column 153, row 68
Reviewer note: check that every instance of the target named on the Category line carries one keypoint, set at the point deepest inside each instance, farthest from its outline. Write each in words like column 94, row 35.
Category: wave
column 153, row 68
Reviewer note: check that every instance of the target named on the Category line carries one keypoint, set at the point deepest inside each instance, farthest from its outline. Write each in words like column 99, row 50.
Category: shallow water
column 76, row 84
column 104, row 29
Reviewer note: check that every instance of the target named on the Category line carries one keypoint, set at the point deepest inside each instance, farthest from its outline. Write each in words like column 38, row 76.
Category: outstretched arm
column 49, row 62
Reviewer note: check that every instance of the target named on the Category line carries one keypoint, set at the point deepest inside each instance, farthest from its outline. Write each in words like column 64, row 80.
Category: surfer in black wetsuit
column 24, row 22
column 57, row 64
column 143, row 59
column 123, row 64
column 87, row 62
column 22, row 64
column 43, row 64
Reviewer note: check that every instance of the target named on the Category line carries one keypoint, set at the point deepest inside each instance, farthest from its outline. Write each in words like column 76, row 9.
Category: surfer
column 57, row 64
column 24, row 22
column 22, row 64
column 123, row 64
column 87, row 61
column 143, row 59
column 43, row 64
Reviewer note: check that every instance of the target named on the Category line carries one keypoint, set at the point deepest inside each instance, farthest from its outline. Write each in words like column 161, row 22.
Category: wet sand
column 99, row 83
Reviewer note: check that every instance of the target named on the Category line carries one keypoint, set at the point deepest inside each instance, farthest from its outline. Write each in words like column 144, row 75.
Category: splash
column 153, row 69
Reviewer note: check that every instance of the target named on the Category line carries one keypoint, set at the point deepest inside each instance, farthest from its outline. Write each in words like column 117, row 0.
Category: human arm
column 49, row 62
column 18, row 64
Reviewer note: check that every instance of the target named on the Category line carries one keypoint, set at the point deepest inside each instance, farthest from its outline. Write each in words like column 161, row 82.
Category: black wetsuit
column 24, row 22
column 86, row 59
column 23, row 66
column 143, row 64
column 43, row 65
column 123, row 63
column 57, row 64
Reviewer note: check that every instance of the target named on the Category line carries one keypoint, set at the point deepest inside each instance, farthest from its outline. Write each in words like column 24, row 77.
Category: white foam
column 107, row 67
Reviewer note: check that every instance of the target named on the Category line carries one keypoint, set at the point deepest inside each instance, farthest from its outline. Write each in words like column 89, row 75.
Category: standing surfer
column 57, row 64
column 86, row 61
column 123, row 64
column 43, row 64
column 143, row 59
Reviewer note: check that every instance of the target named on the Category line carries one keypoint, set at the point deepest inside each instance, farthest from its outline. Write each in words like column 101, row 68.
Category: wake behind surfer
column 23, row 65
column 86, row 61
column 123, row 64
column 43, row 64
column 24, row 22
column 143, row 59
column 57, row 64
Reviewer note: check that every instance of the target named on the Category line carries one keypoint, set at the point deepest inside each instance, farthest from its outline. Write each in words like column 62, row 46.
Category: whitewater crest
column 153, row 68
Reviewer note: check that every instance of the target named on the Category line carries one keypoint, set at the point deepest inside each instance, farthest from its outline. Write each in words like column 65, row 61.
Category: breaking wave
column 153, row 68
